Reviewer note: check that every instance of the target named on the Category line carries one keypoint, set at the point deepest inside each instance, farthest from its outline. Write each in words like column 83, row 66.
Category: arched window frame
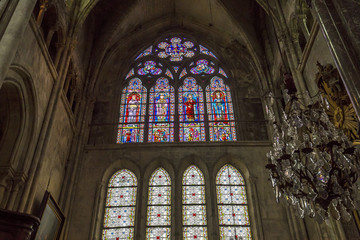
column 114, row 188
column 242, row 231
column 165, row 204
column 176, row 72
column 194, row 203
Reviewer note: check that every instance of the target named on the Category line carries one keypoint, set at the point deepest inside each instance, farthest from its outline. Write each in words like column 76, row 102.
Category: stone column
column 341, row 47
column 12, row 36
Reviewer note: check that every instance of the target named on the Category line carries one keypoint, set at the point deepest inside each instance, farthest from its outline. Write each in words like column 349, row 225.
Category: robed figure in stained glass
column 133, row 104
column 190, row 105
column 162, row 107
column 218, row 106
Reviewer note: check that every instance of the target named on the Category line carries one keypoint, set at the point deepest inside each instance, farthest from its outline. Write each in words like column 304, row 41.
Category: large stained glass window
column 191, row 111
column 132, row 113
column 201, row 111
column 220, row 111
column 159, row 206
column 232, row 204
column 194, row 208
column 120, row 206
column 161, row 112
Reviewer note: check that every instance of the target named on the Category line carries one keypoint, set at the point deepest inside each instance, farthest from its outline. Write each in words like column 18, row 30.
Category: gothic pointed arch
column 179, row 72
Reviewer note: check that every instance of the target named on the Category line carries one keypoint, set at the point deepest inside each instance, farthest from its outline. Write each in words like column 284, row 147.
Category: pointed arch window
column 191, row 111
column 132, row 113
column 220, row 111
column 233, row 213
column 192, row 71
column 119, row 214
column 159, row 206
column 194, row 208
column 161, row 112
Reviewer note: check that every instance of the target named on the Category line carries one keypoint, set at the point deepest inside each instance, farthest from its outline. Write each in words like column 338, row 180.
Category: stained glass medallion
column 119, row 214
column 220, row 111
column 159, row 205
column 202, row 67
column 232, row 204
column 149, row 68
column 194, row 208
column 175, row 49
column 132, row 113
column 176, row 68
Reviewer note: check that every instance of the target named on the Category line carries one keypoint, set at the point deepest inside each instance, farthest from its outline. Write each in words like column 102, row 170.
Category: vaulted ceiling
column 117, row 30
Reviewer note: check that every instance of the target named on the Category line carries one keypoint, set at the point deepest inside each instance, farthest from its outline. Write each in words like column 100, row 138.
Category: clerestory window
column 176, row 90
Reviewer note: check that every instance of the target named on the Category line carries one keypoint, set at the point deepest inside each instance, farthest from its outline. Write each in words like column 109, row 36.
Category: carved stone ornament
column 338, row 105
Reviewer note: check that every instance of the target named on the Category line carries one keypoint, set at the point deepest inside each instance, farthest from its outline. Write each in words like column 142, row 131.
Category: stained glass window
column 132, row 113
column 220, row 111
column 176, row 64
column 159, row 206
column 232, row 204
column 161, row 112
column 119, row 214
column 191, row 111
column 194, row 208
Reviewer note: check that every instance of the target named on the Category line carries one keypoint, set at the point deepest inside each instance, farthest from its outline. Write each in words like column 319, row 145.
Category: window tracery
column 185, row 79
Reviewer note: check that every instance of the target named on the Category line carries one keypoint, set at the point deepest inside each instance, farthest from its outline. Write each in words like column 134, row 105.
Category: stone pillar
column 341, row 46
column 17, row 226
column 10, row 39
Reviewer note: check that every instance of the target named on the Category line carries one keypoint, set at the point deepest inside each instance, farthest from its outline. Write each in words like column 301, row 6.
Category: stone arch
column 168, row 167
column 198, row 162
column 251, row 192
column 101, row 194
column 17, row 126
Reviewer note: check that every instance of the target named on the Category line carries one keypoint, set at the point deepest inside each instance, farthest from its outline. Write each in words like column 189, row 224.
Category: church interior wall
column 97, row 160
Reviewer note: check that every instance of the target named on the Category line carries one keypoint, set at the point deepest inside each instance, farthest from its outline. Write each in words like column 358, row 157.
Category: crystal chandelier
column 312, row 164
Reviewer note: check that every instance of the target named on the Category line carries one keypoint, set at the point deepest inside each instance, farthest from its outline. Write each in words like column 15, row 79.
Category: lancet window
column 194, row 204
column 233, row 212
column 119, row 214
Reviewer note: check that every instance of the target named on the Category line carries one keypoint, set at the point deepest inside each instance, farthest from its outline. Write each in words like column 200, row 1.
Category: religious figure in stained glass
column 119, row 217
column 220, row 111
column 161, row 112
column 133, row 104
column 190, row 104
column 132, row 113
column 218, row 105
column 232, row 204
column 162, row 107
column 191, row 111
